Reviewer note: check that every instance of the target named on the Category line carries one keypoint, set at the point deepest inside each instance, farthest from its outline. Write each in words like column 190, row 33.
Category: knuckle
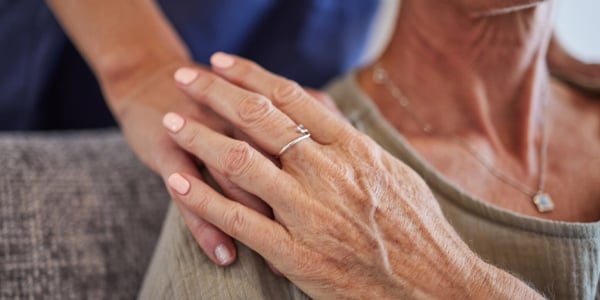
column 191, row 137
column 254, row 108
column 199, row 204
column 246, row 69
column 199, row 228
column 234, row 221
column 204, row 83
column 287, row 92
column 363, row 140
column 305, row 263
column 347, row 134
column 361, row 144
column 236, row 160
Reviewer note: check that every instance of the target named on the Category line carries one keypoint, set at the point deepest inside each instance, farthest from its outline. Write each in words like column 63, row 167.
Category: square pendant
column 543, row 202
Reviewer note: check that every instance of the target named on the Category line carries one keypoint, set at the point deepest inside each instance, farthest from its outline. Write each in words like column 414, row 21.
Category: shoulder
column 576, row 98
column 575, row 116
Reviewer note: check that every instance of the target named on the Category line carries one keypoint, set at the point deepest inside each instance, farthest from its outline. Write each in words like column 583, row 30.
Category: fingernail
column 185, row 75
column 173, row 122
column 221, row 60
column 178, row 183
column 223, row 255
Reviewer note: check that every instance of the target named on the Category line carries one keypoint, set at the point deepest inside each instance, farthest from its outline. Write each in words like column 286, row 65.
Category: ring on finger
column 305, row 135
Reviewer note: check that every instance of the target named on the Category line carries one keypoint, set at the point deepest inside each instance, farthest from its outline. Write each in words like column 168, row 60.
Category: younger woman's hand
column 139, row 112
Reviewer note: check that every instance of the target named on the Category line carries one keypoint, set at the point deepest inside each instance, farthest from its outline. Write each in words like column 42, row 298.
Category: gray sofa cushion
column 79, row 216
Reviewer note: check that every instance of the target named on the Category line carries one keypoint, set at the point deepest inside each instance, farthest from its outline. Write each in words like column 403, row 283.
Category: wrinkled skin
column 350, row 219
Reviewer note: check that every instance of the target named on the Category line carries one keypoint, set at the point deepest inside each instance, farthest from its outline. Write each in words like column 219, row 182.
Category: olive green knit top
column 559, row 259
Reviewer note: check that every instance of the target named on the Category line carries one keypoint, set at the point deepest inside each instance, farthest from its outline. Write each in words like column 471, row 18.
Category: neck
column 472, row 73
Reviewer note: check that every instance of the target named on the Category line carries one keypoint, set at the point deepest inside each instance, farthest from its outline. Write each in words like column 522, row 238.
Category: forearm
column 453, row 271
column 498, row 284
column 473, row 280
column 436, row 262
column 121, row 40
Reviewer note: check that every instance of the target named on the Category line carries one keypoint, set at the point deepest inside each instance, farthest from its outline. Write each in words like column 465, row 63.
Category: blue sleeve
column 31, row 41
column 45, row 84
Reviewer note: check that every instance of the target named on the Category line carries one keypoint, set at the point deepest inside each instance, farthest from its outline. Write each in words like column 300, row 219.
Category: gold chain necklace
column 542, row 200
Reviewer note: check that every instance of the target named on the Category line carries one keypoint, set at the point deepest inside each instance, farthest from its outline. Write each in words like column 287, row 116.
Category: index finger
column 285, row 94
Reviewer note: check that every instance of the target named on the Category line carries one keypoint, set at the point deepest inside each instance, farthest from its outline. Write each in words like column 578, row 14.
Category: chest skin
column 573, row 162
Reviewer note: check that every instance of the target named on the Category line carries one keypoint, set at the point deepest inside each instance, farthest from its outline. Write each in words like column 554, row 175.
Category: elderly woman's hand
column 350, row 219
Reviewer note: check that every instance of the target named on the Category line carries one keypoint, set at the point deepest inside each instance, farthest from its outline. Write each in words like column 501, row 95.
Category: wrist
column 490, row 282
column 455, row 272
column 121, row 79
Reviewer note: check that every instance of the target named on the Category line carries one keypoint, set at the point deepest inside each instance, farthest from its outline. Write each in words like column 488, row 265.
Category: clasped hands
column 347, row 215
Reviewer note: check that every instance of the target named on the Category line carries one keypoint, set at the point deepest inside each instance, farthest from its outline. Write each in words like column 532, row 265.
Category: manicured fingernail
column 173, row 122
column 178, row 183
column 185, row 75
column 223, row 255
column 221, row 60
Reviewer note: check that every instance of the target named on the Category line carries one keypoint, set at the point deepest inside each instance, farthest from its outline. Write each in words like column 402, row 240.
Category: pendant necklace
column 542, row 200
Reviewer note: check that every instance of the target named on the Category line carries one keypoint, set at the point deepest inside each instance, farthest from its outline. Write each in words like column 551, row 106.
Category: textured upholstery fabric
column 79, row 216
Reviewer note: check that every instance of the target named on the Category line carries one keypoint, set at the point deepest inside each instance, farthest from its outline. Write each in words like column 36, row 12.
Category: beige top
column 559, row 259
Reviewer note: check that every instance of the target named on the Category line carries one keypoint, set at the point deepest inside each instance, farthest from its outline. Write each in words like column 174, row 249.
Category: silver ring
column 305, row 134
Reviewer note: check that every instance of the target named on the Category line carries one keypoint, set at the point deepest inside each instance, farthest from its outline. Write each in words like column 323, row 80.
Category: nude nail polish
column 223, row 255
column 221, row 60
column 185, row 75
column 179, row 183
column 173, row 122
